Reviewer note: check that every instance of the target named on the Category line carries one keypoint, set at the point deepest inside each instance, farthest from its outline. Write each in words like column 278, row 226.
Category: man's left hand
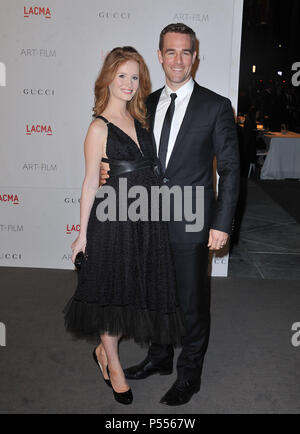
column 217, row 240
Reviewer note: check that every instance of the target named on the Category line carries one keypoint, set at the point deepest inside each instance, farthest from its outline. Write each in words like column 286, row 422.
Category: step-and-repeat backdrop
column 50, row 55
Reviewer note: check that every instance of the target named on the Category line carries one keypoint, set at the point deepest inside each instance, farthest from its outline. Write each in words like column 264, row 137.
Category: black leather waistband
column 120, row 167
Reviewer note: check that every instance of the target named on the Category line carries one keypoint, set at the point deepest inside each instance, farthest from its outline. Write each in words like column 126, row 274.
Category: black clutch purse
column 79, row 260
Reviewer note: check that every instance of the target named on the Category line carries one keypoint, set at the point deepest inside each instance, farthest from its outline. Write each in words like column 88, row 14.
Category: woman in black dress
column 126, row 283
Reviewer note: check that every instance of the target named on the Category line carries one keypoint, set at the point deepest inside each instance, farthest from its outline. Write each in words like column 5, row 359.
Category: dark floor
column 268, row 244
column 251, row 365
column 286, row 194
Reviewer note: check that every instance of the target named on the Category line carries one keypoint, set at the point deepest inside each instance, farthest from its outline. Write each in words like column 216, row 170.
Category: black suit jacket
column 208, row 130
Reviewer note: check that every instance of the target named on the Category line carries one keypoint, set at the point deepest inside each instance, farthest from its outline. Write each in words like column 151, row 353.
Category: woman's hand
column 77, row 246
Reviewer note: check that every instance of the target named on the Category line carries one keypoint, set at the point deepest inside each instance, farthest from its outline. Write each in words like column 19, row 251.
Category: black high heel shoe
column 125, row 398
column 100, row 367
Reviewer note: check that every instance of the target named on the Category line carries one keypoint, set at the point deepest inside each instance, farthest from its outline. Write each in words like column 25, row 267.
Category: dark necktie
column 165, row 132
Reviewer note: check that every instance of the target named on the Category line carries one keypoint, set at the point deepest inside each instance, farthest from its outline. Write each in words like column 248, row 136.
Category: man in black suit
column 191, row 125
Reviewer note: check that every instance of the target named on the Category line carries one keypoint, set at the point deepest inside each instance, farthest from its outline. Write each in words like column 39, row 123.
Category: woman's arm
column 93, row 151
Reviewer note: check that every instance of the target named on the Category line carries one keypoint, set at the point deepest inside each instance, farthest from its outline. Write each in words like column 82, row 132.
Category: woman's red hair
column 113, row 60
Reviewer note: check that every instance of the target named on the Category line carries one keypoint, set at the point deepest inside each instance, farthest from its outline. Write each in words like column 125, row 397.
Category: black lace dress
column 126, row 284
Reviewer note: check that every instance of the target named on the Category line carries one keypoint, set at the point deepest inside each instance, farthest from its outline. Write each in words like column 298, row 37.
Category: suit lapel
column 152, row 105
column 185, row 125
column 152, row 119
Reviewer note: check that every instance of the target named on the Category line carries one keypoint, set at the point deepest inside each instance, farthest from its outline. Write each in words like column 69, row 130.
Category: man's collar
column 183, row 91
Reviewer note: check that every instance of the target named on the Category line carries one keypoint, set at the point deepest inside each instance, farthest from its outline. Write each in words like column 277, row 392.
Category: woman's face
column 126, row 81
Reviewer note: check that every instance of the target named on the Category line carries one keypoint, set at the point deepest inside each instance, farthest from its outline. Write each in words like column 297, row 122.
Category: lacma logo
column 11, row 198
column 2, row 74
column 42, row 129
column 72, row 228
column 36, row 10
column 2, row 335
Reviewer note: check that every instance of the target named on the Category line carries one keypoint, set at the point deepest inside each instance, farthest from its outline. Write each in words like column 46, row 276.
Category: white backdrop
column 50, row 54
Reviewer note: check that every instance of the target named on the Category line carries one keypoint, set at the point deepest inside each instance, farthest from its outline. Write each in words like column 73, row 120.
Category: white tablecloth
column 283, row 159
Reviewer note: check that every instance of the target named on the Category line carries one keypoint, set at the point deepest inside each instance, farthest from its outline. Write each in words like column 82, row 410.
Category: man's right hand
column 103, row 174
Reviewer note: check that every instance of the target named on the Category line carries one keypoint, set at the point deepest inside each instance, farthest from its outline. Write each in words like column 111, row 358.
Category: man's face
column 177, row 59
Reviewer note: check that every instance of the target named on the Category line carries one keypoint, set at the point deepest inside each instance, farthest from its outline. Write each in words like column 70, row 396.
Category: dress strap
column 104, row 119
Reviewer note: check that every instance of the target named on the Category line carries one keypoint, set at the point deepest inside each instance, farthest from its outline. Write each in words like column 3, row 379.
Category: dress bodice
column 120, row 146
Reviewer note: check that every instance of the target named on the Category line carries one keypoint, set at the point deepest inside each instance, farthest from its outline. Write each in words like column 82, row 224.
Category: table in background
column 283, row 159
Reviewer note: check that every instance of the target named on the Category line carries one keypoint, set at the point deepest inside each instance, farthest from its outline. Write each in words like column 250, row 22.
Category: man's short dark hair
column 178, row 28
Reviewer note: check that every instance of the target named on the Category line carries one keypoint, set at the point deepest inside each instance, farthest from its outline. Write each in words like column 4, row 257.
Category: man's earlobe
column 159, row 54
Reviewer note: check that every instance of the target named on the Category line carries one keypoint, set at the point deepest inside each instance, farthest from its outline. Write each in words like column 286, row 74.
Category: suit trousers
column 191, row 265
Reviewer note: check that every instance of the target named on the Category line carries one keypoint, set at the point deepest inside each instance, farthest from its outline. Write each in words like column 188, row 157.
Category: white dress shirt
column 181, row 103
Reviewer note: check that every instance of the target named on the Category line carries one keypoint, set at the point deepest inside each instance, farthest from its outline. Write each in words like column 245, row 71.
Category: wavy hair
column 137, row 106
column 178, row 28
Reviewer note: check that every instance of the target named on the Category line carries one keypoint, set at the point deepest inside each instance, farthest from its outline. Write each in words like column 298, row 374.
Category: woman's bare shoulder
column 98, row 125
column 97, row 130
